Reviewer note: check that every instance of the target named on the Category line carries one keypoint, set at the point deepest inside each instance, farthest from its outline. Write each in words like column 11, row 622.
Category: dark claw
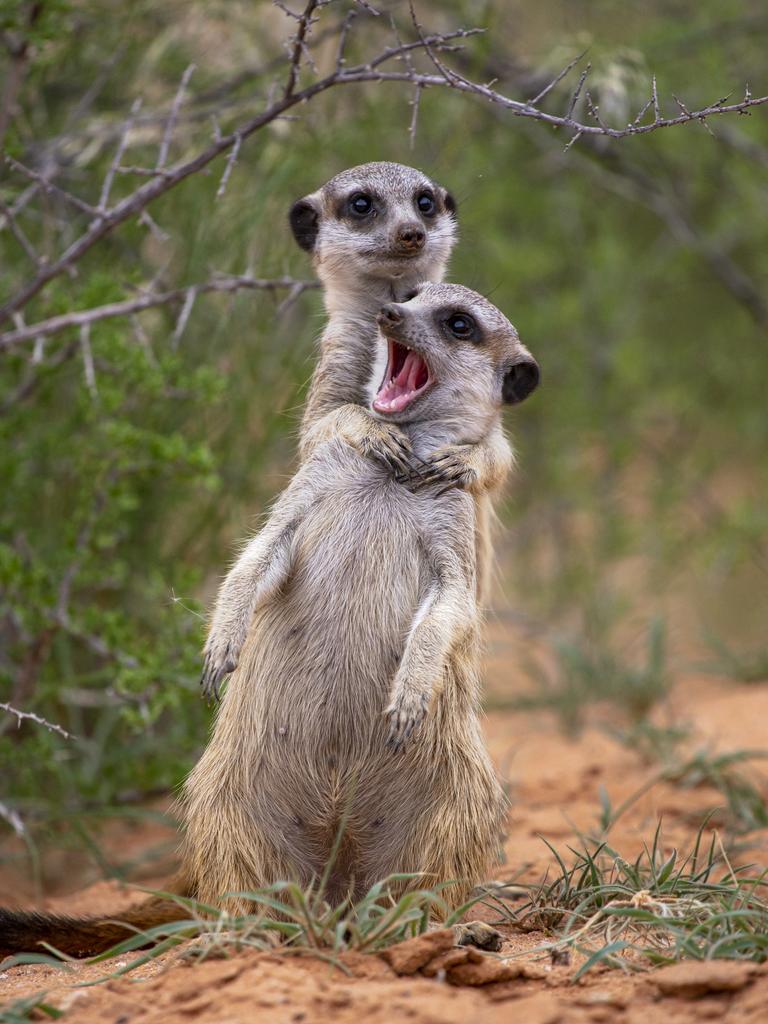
column 211, row 679
column 456, row 486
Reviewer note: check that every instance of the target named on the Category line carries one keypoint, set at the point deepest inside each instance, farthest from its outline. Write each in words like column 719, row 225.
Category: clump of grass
column 657, row 909
column 33, row 1008
column 751, row 667
column 593, row 669
column 652, row 742
column 745, row 804
column 298, row 919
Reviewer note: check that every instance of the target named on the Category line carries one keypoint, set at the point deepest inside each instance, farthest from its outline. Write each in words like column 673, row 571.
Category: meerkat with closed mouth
column 375, row 232
column 354, row 703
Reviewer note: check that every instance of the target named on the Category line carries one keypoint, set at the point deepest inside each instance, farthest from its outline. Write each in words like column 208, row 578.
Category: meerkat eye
column 461, row 325
column 425, row 203
column 360, row 204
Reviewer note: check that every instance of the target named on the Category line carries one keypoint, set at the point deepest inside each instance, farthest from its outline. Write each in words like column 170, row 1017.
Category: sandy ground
column 554, row 787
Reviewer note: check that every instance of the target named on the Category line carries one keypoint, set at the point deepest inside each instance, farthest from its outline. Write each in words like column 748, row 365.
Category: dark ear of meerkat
column 375, row 233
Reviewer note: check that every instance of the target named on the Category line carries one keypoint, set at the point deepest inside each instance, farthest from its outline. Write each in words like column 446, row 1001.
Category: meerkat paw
column 478, row 934
column 405, row 715
column 388, row 445
column 449, row 467
column 220, row 660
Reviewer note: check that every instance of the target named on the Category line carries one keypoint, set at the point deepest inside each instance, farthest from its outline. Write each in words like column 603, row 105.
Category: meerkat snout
column 446, row 341
column 390, row 314
column 410, row 238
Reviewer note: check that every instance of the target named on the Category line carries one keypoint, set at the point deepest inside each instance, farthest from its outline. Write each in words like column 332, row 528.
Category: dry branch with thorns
column 299, row 63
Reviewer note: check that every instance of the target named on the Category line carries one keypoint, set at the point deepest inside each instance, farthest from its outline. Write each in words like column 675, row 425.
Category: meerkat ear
column 520, row 379
column 304, row 219
column 450, row 203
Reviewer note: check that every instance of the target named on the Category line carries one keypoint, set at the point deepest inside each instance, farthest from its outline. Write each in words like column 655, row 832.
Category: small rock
column 488, row 972
column 541, row 1007
column 480, row 935
column 599, row 997
column 410, row 956
column 454, row 957
column 695, row 978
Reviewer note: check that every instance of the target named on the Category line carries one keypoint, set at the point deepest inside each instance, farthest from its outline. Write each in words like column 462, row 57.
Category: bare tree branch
column 172, row 116
column 129, row 307
column 29, row 715
column 18, row 51
column 134, row 204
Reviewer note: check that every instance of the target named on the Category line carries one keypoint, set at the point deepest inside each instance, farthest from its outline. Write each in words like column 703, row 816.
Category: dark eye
column 360, row 204
column 461, row 325
column 425, row 202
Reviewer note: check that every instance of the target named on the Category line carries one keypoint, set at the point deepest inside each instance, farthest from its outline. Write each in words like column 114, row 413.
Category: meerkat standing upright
column 352, row 618
column 375, row 233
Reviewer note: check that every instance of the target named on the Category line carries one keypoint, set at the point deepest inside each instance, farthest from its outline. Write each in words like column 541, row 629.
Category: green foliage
column 747, row 666
column 745, row 803
column 32, row 1008
column 128, row 480
column 593, row 669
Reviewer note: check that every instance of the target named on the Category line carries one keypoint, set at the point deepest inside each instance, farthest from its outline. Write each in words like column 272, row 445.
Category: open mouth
column 407, row 376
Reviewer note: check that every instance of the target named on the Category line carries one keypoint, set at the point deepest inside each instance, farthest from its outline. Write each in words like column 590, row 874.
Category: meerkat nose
column 411, row 236
column 390, row 314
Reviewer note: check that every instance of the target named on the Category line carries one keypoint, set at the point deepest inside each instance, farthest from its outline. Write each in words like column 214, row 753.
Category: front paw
column 388, row 445
column 448, row 467
column 405, row 716
column 221, row 658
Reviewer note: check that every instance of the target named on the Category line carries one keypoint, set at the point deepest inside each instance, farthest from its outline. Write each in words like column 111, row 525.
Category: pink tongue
column 397, row 393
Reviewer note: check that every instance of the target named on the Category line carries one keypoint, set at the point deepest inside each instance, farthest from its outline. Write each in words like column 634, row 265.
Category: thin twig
column 299, row 45
column 85, row 348
column 170, row 124
column 32, row 717
column 129, row 307
column 106, row 187
column 186, row 310
column 555, row 81
column 228, row 169
column 19, row 235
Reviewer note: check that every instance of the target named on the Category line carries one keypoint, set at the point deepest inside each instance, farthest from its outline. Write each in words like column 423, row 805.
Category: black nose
column 390, row 314
column 411, row 237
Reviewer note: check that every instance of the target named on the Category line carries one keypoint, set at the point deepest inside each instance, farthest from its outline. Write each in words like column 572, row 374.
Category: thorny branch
column 161, row 179
column 22, row 715
column 128, row 307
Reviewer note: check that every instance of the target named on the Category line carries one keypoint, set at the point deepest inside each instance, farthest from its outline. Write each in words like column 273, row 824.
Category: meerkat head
column 380, row 222
column 447, row 353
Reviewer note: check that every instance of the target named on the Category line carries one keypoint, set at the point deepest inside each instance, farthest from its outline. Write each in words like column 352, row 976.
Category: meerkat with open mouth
column 353, row 620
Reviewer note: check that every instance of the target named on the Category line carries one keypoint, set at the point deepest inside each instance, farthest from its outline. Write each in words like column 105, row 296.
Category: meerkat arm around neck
column 479, row 468
column 384, row 442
